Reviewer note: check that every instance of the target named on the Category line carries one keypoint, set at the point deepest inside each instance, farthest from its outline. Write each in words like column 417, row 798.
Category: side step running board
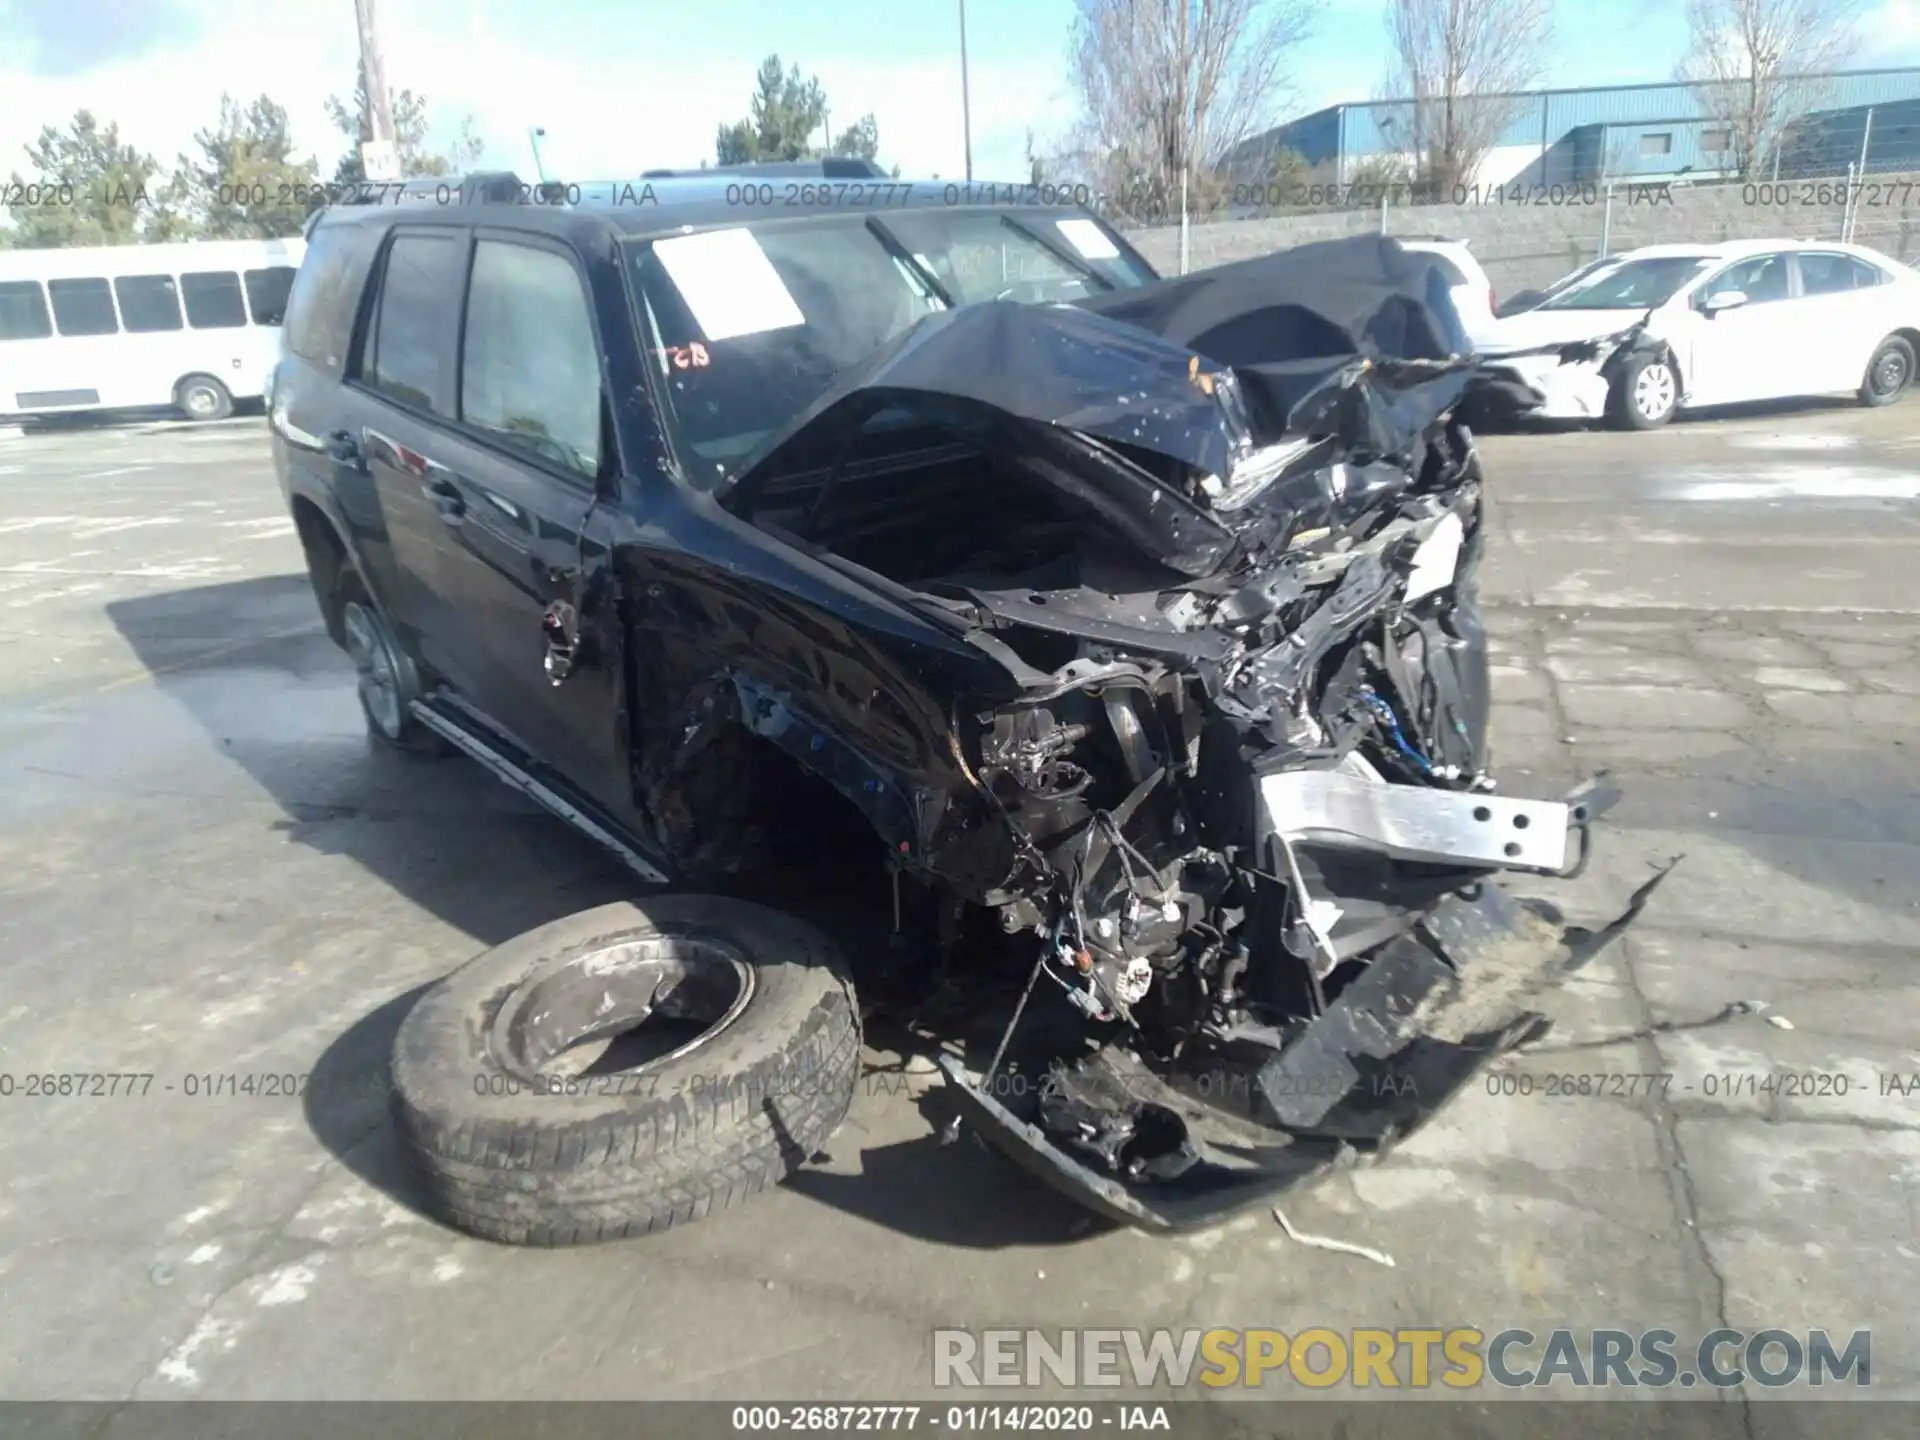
column 515, row 774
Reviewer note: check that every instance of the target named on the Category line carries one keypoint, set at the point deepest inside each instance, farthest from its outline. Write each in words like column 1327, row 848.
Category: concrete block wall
column 1523, row 245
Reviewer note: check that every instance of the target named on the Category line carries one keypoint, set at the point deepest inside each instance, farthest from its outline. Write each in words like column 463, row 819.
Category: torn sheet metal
column 1419, row 1023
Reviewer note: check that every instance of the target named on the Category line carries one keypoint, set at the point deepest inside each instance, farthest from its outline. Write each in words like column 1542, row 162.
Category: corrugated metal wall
column 1559, row 122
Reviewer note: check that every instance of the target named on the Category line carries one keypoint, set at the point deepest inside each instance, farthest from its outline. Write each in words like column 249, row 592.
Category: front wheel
column 1645, row 393
column 1889, row 372
column 203, row 398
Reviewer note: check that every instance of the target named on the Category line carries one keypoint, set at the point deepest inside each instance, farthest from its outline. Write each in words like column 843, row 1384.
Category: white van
column 193, row 325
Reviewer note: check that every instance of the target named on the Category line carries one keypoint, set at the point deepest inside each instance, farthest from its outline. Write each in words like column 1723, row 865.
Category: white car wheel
column 1653, row 391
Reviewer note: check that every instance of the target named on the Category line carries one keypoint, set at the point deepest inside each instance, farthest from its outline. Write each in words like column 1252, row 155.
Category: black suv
column 1122, row 628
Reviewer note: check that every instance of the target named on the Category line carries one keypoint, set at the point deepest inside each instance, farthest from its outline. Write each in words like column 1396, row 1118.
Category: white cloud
column 1890, row 33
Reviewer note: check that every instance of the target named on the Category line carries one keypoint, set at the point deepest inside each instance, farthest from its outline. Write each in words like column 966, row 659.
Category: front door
column 1749, row 352
column 526, row 464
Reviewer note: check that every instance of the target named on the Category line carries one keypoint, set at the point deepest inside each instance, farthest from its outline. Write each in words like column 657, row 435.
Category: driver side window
column 1760, row 279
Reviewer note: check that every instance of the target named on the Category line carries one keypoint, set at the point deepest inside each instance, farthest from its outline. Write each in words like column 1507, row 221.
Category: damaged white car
column 1673, row 327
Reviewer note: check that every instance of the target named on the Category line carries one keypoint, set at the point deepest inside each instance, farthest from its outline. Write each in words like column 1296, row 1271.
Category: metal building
column 1627, row 132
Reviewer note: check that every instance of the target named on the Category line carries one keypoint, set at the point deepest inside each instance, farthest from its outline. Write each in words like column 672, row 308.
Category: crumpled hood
column 1109, row 401
column 1538, row 328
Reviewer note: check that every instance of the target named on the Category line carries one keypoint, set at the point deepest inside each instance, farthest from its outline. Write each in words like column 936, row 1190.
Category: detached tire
column 512, row 1143
column 1889, row 372
column 1645, row 393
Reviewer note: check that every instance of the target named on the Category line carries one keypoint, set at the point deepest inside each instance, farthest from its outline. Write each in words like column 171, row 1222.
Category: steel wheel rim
column 561, row 1022
column 1653, row 391
column 373, row 659
column 1890, row 374
column 199, row 401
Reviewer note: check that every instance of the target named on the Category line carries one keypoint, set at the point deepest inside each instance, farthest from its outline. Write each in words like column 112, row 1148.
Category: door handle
column 343, row 448
column 446, row 497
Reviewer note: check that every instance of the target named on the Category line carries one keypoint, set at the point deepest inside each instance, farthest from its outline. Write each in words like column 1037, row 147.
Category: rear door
column 396, row 408
column 532, row 456
column 1842, row 318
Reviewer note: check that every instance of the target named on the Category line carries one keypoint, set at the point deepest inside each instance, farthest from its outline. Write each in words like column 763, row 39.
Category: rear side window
column 213, row 300
column 1449, row 271
column 530, row 368
column 325, row 298
column 83, row 307
column 267, row 292
column 1826, row 273
column 414, row 322
column 148, row 303
column 23, row 311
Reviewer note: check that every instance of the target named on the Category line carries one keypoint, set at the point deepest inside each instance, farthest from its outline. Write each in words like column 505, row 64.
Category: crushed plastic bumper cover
column 1391, row 1049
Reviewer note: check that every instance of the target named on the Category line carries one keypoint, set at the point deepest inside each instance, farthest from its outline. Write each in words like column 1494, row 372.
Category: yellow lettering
column 1216, row 1348
column 1336, row 1358
column 1421, row 1342
column 1266, row 1350
column 1373, row 1356
column 1463, row 1353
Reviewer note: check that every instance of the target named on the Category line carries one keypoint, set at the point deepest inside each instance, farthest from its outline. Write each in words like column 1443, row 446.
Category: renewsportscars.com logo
column 1404, row 1358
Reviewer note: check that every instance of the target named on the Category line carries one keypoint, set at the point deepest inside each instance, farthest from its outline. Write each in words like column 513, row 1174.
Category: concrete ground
column 205, row 870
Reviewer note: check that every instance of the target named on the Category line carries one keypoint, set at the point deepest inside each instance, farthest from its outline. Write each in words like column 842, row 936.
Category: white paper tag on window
column 1089, row 239
column 728, row 283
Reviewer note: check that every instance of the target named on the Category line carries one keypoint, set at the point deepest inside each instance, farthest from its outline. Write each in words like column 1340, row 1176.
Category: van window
column 325, row 299
column 83, row 307
column 414, row 324
column 213, row 300
column 267, row 293
column 148, row 303
column 530, row 369
column 23, row 311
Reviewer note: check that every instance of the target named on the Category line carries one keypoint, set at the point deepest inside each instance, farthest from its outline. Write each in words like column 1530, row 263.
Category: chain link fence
column 1532, row 235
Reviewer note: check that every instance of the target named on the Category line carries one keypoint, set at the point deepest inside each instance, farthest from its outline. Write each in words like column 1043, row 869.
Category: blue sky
column 622, row 85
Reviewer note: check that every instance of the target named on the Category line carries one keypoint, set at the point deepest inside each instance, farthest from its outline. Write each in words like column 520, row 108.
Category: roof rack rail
column 827, row 167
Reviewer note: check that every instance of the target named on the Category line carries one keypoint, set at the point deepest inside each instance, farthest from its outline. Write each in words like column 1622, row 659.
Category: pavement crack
column 1680, row 1177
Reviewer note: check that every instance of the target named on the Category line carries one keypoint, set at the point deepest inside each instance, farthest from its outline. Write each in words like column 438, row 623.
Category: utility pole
column 379, row 155
column 534, row 132
column 966, row 99
column 1185, row 168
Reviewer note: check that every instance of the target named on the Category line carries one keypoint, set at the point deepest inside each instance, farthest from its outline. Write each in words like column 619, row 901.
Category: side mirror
column 1725, row 300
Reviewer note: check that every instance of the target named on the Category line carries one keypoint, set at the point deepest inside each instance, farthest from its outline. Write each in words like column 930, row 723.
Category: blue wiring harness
column 1391, row 723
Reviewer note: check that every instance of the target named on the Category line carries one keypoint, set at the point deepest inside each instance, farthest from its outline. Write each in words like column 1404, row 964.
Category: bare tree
column 1173, row 87
column 1458, row 64
column 1756, row 66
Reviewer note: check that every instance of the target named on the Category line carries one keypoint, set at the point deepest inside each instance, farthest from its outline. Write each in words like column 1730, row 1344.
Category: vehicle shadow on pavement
column 963, row 1194
column 345, row 1103
column 249, row 662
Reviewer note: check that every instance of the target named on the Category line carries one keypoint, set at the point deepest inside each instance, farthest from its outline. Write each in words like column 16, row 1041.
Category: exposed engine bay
column 1221, row 537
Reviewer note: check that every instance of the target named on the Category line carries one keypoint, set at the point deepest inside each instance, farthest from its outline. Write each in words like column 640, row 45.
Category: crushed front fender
column 1431, row 1009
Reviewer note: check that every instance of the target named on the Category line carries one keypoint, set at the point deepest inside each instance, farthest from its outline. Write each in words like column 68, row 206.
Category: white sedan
column 1675, row 327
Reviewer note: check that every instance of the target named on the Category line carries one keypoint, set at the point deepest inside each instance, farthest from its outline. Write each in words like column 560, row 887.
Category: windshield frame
column 1702, row 266
column 695, row 470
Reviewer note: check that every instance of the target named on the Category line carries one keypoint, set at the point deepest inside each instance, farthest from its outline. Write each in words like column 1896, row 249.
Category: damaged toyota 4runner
column 1116, row 636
